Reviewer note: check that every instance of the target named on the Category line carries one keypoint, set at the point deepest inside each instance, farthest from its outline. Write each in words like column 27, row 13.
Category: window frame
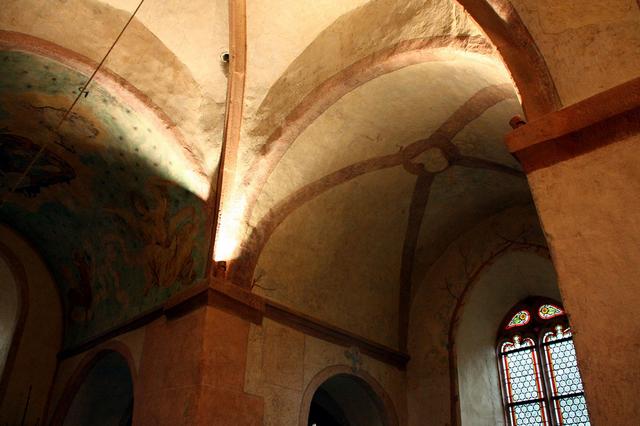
column 506, row 404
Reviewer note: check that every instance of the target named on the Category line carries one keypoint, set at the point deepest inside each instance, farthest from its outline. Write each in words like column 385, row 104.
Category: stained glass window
column 540, row 379
column 525, row 396
column 519, row 319
column 567, row 394
column 548, row 311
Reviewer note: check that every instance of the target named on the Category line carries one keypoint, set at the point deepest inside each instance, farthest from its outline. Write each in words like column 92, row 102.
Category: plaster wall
column 285, row 29
column 589, row 46
column 34, row 367
column 281, row 363
column 355, row 34
column 433, row 305
column 370, row 30
column 192, row 371
column 9, row 308
column 341, row 252
column 187, row 369
column 594, row 234
column 167, row 53
column 512, row 278
column 320, row 277
column 390, row 112
column 197, row 32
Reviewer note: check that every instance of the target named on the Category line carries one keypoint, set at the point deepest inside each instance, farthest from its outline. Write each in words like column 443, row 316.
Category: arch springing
column 540, row 380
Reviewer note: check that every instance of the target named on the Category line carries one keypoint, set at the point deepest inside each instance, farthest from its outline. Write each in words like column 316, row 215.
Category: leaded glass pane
column 522, row 382
column 529, row 414
column 540, row 376
column 574, row 411
column 564, row 368
column 566, row 384
column 523, row 375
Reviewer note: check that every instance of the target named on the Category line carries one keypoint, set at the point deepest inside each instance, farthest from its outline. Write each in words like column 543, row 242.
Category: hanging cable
column 83, row 90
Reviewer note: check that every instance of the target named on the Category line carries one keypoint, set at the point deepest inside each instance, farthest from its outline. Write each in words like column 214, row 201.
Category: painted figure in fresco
column 107, row 273
column 80, row 295
column 168, row 239
column 16, row 153
column 95, row 279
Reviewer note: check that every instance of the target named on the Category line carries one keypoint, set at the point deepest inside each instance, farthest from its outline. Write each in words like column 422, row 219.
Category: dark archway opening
column 9, row 313
column 105, row 397
column 346, row 400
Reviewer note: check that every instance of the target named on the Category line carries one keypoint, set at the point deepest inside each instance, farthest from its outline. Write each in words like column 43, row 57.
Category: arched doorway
column 30, row 323
column 9, row 310
column 13, row 312
column 345, row 399
column 105, row 396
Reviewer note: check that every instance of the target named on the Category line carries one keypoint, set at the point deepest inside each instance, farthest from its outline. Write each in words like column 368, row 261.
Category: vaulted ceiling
column 374, row 152
column 362, row 138
column 120, row 197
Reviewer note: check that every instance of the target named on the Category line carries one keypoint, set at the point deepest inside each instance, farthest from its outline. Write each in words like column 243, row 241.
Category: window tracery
column 548, row 311
column 519, row 319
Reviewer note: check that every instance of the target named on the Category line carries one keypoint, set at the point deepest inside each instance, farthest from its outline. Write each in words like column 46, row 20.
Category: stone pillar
column 583, row 166
column 193, row 364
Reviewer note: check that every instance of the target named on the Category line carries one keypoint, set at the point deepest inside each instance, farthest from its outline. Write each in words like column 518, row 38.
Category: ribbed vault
column 369, row 158
column 363, row 137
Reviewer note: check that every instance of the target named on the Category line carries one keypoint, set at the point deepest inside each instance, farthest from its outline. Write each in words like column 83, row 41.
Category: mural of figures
column 16, row 153
column 112, row 177
column 80, row 295
column 168, row 239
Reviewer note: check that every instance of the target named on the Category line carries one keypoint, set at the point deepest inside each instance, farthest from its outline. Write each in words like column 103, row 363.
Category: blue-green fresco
column 111, row 204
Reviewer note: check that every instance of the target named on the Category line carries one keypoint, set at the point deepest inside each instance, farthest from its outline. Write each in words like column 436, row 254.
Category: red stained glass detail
column 539, row 373
column 548, row 311
column 519, row 319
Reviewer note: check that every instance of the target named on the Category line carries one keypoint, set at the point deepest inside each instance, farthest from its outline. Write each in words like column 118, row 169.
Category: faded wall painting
column 114, row 203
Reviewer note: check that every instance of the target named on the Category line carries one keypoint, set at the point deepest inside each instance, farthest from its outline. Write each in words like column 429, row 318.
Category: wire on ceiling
column 64, row 117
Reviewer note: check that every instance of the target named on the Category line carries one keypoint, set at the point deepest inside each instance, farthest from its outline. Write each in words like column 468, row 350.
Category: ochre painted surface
column 113, row 204
column 192, row 372
column 589, row 46
column 385, row 22
column 594, row 235
column 348, row 189
column 370, row 148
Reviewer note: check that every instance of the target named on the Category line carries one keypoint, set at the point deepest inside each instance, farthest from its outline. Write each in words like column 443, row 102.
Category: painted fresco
column 114, row 204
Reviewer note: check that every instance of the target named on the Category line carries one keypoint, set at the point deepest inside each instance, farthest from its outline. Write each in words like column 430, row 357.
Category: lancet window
column 541, row 383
